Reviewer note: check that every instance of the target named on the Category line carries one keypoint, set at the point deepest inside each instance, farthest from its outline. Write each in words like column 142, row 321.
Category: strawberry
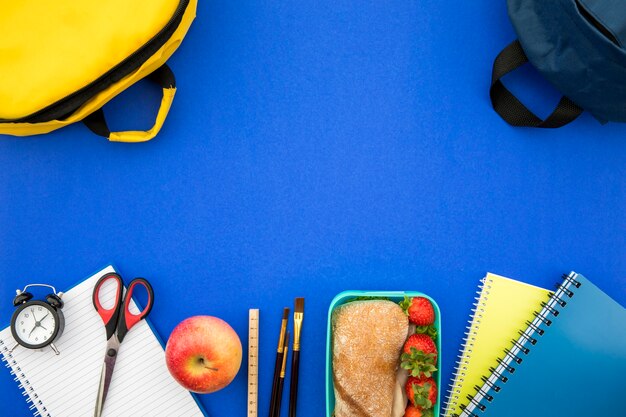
column 422, row 392
column 420, row 355
column 419, row 310
column 421, row 342
column 411, row 411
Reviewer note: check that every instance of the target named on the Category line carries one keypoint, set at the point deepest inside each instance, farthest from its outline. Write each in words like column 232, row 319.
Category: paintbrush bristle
column 299, row 305
column 286, row 313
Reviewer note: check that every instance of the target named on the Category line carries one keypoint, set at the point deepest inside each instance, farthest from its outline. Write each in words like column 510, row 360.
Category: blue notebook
column 569, row 361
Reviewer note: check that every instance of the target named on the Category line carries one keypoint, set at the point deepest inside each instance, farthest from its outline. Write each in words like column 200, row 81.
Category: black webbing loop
column 96, row 122
column 510, row 108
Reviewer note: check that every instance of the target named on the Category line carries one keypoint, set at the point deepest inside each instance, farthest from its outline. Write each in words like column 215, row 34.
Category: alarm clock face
column 36, row 324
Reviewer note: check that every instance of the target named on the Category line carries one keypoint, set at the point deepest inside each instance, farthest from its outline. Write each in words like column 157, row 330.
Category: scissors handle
column 109, row 316
column 127, row 319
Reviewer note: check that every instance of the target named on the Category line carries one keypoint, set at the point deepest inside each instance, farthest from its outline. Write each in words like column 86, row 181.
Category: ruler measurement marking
column 253, row 362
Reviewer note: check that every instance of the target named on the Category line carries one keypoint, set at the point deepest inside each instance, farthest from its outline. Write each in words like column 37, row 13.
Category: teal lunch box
column 395, row 296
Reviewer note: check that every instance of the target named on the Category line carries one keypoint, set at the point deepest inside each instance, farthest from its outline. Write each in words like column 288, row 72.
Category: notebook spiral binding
column 478, row 308
column 521, row 347
column 31, row 397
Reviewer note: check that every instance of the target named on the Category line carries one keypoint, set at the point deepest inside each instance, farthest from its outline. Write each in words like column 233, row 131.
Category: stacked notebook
column 530, row 352
column 501, row 309
column 67, row 384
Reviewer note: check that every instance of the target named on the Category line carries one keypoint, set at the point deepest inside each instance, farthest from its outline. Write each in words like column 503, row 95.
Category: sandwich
column 368, row 337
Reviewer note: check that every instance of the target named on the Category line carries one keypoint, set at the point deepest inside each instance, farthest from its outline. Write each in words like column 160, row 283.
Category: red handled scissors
column 118, row 320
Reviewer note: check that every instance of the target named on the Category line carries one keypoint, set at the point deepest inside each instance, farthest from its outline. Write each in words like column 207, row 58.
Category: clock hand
column 31, row 332
column 35, row 317
column 38, row 324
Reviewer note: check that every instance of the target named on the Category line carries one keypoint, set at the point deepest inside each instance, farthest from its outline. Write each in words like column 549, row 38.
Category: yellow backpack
column 62, row 60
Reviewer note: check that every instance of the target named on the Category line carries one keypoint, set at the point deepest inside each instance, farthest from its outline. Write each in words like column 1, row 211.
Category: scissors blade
column 110, row 357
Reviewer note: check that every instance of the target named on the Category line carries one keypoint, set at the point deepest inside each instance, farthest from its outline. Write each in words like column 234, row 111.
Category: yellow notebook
column 502, row 308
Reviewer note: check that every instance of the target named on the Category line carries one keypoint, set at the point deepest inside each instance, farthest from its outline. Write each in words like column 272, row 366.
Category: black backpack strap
column 510, row 108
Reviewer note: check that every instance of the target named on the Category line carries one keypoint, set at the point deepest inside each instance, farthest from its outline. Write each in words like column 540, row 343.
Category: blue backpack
column 577, row 45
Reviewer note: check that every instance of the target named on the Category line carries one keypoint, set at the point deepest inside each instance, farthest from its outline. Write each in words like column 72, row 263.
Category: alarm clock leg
column 13, row 348
column 56, row 351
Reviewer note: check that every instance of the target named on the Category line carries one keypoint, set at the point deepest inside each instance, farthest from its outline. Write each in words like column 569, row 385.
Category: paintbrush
column 279, row 361
column 281, row 380
column 298, row 317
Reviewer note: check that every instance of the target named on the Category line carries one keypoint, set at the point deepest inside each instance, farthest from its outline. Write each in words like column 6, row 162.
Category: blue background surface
column 314, row 148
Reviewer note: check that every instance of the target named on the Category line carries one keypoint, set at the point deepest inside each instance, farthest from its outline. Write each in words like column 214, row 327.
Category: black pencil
column 279, row 361
column 298, row 317
column 281, row 380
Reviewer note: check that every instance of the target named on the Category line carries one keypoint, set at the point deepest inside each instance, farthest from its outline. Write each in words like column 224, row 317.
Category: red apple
column 203, row 354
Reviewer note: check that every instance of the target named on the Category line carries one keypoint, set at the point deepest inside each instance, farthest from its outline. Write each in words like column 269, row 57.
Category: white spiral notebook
column 66, row 385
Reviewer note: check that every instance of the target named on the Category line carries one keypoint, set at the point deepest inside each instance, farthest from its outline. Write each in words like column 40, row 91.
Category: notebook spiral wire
column 31, row 397
column 478, row 309
column 515, row 355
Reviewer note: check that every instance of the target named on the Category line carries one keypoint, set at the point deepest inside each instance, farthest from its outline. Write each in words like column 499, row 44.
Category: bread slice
column 367, row 342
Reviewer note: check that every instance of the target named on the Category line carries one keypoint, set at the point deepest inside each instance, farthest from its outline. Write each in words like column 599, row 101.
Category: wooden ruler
column 253, row 363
